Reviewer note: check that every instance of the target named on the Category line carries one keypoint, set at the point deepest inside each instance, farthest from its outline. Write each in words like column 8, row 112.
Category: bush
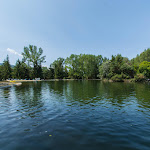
column 139, row 78
column 144, row 68
column 110, row 75
column 124, row 76
column 117, row 78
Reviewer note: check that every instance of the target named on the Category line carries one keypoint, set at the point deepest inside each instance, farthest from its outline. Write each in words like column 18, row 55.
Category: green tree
column 6, row 69
column 91, row 64
column 21, row 70
column 104, row 69
column 116, row 62
column 117, row 68
column 1, row 73
column 144, row 68
column 128, row 70
column 58, row 66
column 33, row 56
column 72, row 64
column 51, row 72
column 46, row 73
column 83, row 66
column 144, row 56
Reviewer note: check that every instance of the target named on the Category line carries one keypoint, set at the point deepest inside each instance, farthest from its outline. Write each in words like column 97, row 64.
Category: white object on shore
column 37, row 79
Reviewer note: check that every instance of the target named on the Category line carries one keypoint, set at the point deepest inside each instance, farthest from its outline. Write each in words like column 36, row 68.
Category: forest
column 83, row 66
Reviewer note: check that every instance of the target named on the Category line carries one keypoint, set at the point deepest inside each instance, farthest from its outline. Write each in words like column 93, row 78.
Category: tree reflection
column 83, row 93
column 5, row 98
column 29, row 97
column 143, row 94
column 86, row 92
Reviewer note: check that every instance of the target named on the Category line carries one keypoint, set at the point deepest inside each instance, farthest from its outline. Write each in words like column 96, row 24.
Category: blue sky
column 63, row 27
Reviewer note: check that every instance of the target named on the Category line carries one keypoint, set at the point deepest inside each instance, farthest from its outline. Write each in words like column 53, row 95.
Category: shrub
column 124, row 76
column 144, row 68
column 139, row 78
column 117, row 78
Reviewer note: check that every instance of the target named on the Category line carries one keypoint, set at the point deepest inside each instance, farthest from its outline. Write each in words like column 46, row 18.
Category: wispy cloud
column 13, row 52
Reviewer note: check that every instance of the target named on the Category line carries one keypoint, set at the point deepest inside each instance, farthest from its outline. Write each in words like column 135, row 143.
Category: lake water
column 75, row 115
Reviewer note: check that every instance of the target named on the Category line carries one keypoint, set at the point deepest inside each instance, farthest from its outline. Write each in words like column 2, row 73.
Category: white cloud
column 14, row 52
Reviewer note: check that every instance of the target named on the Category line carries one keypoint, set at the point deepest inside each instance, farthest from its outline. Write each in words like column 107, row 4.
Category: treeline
column 83, row 66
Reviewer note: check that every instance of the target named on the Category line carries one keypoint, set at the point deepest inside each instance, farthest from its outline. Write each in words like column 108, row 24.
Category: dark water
column 75, row 115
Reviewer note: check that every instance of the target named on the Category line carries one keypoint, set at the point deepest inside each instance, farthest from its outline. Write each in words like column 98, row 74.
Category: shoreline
column 6, row 84
column 16, row 81
column 10, row 83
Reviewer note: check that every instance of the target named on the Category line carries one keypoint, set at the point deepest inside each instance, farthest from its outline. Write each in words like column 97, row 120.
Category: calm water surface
column 75, row 115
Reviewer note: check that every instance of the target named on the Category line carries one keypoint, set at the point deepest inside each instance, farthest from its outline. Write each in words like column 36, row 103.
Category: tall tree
column 51, row 72
column 21, row 70
column 45, row 73
column 144, row 68
column 116, row 63
column 72, row 64
column 6, row 69
column 83, row 66
column 104, row 69
column 33, row 56
column 144, row 56
column 58, row 68
column 1, row 73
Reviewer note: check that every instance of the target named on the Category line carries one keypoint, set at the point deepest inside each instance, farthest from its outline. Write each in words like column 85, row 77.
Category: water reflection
column 92, row 91
column 6, row 93
column 29, row 94
column 79, row 92
column 80, row 113
column 56, row 87
column 29, row 99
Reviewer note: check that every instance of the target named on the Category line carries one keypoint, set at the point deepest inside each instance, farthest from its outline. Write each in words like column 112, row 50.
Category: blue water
column 75, row 115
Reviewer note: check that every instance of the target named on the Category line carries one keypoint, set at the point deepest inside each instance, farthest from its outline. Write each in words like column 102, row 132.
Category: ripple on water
column 75, row 115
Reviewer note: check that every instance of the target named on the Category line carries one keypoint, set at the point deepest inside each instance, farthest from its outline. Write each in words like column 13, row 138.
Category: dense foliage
column 144, row 56
column 83, row 66
column 33, row 56
column 6, row 71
